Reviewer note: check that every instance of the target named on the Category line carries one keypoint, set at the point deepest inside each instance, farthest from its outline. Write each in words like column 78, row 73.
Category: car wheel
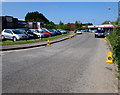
column 2, row 37
column 14, row 39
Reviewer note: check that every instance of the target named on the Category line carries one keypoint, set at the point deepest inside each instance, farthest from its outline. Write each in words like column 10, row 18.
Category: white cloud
column 2, row 0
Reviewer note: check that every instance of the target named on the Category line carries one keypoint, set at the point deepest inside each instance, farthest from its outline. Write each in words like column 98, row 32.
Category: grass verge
column 10, row 42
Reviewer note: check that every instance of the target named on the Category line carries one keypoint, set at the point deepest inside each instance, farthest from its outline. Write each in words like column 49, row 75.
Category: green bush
column 114, row 39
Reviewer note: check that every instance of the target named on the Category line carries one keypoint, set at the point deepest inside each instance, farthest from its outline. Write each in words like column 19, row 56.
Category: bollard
column 48, row 42
column 70, row 37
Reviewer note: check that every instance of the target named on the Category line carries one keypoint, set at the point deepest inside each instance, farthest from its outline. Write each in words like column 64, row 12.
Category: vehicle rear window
column 100, row 31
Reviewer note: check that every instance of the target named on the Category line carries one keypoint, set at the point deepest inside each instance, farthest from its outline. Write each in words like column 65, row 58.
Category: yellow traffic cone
column 105, row 39
column 109, row 58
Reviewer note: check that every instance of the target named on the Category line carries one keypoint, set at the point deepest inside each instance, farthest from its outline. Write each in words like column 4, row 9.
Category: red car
column 46, row 32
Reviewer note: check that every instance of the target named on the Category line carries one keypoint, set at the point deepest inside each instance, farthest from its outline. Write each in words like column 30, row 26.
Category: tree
column 51, row 25
column 61, row 23
column 36, row 16
column 117, row 21
column 77, row 25
column 106, row 22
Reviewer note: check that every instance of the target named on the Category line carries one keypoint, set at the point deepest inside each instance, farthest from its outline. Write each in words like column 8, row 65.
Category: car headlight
column 19, row 36
column 96, row 33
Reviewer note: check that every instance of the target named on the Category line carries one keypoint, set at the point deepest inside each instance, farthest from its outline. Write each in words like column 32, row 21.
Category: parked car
column 58, row 32
column 84, row 30
column 43, row 35
column 100, row 33
column 79, row 32
column 93, row 31
column 75, row 31
column 13, row 34
column 31, row 35
column 62, row 31
column 34, row 31
column 108, row 32
column 52, row 32
column 46, row 32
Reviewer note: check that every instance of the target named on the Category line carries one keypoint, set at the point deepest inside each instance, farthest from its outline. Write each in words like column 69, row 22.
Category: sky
column 85, row 12
column 59, row 0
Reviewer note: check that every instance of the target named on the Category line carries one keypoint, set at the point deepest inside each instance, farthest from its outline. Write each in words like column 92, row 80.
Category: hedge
column 114, row 39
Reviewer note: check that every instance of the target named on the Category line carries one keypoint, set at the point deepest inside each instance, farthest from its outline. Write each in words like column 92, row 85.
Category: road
column 76, row 65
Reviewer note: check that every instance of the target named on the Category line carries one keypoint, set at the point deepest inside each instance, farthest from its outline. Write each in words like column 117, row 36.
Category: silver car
column 13, row 34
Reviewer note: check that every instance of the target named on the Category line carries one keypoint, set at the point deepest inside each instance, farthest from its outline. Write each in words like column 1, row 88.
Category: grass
column 10, row 42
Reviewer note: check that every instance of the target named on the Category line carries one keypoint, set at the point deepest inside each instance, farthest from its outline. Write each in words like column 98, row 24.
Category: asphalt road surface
column 76, row 65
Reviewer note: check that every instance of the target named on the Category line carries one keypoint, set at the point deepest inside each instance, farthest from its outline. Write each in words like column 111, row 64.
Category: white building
column 105, row 27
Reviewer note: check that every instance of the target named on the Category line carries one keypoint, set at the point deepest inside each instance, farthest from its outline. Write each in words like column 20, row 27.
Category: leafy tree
column 106, row 22
column 77, row 25
column 61, row 23
column 51, row 25
column 117, row 21
column 36, row 16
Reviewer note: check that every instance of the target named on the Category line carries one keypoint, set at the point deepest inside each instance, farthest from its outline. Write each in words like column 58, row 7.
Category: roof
column 101, row 26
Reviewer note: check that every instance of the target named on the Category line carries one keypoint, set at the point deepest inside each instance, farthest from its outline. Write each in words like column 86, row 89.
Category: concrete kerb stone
column 31, row 45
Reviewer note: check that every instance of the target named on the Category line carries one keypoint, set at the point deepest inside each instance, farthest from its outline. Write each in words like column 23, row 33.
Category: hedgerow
column 114, row 39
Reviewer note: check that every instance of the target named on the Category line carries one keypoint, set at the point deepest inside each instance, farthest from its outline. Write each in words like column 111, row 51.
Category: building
column 9, row 22
column 106, row 27
column 72, row 26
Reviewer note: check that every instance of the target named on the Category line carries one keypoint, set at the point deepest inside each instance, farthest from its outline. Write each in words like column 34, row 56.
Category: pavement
column 76, row 65
column 31, row 45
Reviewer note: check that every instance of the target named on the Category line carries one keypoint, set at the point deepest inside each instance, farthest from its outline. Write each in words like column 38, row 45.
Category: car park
column 100, row 33
column 13, row 34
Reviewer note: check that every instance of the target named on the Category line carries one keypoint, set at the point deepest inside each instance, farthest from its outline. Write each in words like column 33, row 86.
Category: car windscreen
column 100, row 31
column 45, row 30
column 33, row 31
column 40, row 31
column 18, row 31
column 50, row 30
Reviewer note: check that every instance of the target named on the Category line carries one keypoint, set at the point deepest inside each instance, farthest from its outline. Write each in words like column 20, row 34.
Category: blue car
column 58, row 32
column 63, row 31
column 108, row 32
column 52, row 32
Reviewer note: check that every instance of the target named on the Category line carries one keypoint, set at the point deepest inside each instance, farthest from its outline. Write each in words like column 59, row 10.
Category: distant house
column 72, row 26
